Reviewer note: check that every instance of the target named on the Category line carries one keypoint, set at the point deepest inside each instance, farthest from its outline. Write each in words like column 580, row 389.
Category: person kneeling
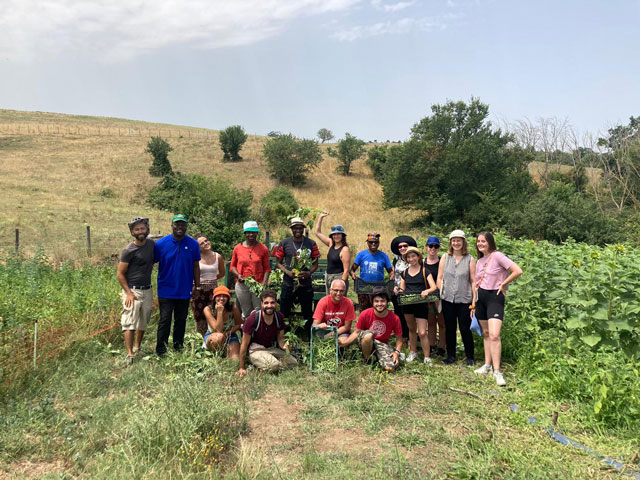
column 263, row 338
column 373, row 329
column 223, row 320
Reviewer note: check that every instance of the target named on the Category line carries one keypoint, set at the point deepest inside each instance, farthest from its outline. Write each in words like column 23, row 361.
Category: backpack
column 259, row 319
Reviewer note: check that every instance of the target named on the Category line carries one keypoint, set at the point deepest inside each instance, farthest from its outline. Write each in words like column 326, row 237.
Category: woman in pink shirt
column 494, row 272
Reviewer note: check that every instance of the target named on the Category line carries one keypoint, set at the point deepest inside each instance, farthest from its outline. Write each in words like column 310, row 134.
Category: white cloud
column 391, row 7
column 394, row 27
column 123, row 29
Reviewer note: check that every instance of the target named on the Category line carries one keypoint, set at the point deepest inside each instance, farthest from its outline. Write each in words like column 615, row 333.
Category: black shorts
column 418, row 310
column 489, row 305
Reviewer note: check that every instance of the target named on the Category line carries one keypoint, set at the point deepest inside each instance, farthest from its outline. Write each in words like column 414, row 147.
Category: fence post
column 267, row 236
column 17, row 239
column 88, row 240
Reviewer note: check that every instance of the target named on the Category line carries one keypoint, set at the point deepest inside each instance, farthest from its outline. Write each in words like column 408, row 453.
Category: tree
column 289, row 159
column 276, row 206
column 159, row 150
column 456, row 169
column 325, row 134
column 350, row 148
column 231, row 140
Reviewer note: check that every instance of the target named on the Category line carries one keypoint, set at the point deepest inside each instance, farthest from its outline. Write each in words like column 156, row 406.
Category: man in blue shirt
column 372, row 264
column 178, row 270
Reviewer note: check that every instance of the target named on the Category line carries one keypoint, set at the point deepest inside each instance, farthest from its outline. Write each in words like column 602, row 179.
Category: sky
column 372, row 68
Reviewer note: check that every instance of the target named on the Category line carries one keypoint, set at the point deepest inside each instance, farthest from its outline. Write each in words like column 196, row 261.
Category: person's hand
column 502, row 290
column 395, row 290
column 342, row 341
column 396, row 358
column 129, row 299
column 286, row 346
column 322, row 215
column 353, row 275
column 304, row 275
column 290, row 274
column 240, row 372
column 425, row 293
column 240, row 279
column 321, row 325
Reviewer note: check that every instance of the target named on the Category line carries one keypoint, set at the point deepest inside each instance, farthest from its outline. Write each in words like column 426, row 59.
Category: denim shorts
column 233, row 338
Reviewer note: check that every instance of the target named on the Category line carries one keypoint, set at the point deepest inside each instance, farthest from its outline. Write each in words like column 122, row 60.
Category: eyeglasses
column 434, row 246
column 337, row 290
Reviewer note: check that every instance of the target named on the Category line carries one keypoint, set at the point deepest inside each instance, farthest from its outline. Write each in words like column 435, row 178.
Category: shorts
column 233, row 338
column 418, row 310
column 137, row 316
column 382, row 351
column 489, row 305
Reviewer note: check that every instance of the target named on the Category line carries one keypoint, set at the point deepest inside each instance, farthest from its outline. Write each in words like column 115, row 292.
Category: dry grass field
column 60, row 173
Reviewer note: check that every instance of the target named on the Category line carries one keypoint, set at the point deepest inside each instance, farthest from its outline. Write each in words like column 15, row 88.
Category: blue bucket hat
column 337, row 229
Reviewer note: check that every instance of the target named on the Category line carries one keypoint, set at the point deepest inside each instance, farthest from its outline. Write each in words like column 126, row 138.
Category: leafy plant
column 276, row 206
column 350, row 148
column 159, row 150
column 325, row 134
column 231, row 141
column 289, row 159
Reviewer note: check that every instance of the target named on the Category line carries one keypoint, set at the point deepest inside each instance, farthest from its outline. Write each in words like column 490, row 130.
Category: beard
column 269, row 310
column 141, row 237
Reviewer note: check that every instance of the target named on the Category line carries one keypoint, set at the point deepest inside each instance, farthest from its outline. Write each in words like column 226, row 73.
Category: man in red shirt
column 373, row 329
column 263, row 338
column 335, row 310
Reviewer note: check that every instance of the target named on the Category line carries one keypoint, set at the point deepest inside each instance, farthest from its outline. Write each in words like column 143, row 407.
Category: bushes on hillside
column 276, row 206
column 231, row 141
column 350, row 148
column 214, row 206
column 159, row 150
column 289, row 159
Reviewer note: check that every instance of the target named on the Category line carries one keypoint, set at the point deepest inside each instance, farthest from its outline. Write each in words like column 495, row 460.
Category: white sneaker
column 483, row 370
column 401, row 357
column 413, row 356
column 499, row 378
column 428, row 361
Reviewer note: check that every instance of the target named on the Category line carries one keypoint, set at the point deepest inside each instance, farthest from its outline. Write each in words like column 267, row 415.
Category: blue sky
column 369, row 67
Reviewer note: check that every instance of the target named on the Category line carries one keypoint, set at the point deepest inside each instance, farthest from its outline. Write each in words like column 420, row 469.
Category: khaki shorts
column 137, row 316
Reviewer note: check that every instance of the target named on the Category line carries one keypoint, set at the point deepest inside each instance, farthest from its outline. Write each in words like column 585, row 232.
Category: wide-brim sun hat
column 337, row 229
column 410, row 249
column 250, row 226
column 402, row 239
column 221, row 290
column 457, row 234
column 296, row 221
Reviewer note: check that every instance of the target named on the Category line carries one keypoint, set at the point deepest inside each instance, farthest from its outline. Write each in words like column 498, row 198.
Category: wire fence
column 85, row 130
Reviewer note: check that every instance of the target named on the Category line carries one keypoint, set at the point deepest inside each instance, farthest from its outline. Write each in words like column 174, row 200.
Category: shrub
column 276, row 205
column 325, row 134
column 159, row 150
column 376, row 159
column 215, row 207
column 289, row 158
column 231, row 141
column 350, row 148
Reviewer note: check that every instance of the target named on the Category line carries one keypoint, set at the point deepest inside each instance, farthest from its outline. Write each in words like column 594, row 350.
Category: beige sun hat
column 457, row 234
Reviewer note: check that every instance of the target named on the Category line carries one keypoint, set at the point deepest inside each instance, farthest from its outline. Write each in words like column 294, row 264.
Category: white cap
column 250, row 226
column 457, row 234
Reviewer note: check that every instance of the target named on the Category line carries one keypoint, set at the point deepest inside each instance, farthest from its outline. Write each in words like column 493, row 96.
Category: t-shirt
column 372, row 266
column 140, row 260
column 175, row 268
column 266, row 335
column 251, row 261
column 496, row 271
column 381, row 327
column 334, row 315
column 288, row 249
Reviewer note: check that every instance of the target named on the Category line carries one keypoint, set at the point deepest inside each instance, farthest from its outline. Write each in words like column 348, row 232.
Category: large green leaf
column 576, row 322
column 592, row 340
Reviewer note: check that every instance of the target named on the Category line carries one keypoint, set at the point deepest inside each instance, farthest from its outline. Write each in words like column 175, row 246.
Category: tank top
column 209, row 273
column 415, row 283
column 334, row 263
column 456, row 284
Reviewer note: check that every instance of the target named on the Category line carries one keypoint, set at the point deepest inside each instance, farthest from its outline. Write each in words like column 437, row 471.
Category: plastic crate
column 411, row 299
column 366, row 288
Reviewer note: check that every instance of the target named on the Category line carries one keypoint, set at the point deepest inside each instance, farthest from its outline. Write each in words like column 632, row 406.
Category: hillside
column 60, row 173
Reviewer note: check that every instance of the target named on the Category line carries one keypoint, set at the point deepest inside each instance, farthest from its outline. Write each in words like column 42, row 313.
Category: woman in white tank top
column 211, row 270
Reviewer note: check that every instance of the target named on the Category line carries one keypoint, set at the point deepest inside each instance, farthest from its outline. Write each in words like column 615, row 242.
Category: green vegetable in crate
column 413, row 298
column 324, row 355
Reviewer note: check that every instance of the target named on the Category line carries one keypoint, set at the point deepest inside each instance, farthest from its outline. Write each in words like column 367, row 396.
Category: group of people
column 446, row 293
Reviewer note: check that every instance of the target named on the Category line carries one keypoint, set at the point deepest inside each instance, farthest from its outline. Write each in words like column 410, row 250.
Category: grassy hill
column 60, row 173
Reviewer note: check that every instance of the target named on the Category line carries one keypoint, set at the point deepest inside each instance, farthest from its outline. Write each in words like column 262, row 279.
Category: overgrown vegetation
column 214, row 206
column 231, row 141
column 289, row 159
column 159, row 149
column 276, row 206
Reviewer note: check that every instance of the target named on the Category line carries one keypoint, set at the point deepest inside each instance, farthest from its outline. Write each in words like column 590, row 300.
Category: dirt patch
column 29, row 469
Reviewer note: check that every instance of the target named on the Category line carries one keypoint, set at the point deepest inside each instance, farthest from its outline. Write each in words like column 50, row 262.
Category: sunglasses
column 403, row 246
column 434, row 246
column 372, row 242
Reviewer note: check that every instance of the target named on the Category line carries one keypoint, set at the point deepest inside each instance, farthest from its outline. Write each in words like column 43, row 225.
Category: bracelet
column 396, row 351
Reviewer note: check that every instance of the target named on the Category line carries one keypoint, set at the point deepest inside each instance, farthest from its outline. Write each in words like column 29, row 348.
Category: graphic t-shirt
column 266, row 335
column 381, row 327
column 372, row 266
column 140, row 260
column 334, row 315
column 497, row 270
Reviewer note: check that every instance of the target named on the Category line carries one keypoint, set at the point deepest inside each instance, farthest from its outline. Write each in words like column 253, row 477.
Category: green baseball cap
column 179, row 217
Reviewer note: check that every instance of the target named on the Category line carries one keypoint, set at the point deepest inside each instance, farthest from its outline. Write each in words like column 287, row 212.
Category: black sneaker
column 470, row 362
column 449, row 360
column 441, row 352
